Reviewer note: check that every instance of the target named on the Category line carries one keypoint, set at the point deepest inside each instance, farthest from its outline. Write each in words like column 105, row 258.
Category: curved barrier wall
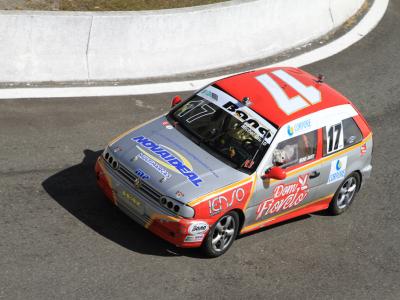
column 70, row 46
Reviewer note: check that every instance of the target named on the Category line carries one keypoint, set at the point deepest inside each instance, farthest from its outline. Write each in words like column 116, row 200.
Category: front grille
column 143, row 220
column 145, row 189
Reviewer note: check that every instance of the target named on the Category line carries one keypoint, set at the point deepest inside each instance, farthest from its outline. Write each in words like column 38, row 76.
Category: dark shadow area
column 324, row 213
column 299, row 218
column 75, row 189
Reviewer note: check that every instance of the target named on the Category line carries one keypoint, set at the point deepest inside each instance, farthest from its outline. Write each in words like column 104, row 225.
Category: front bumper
column 145, row 211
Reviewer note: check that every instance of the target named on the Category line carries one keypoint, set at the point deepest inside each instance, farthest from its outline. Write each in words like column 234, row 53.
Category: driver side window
column 295, row 150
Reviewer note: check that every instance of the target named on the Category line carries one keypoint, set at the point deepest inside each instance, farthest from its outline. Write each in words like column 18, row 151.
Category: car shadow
column 271, row 227
column 75, row 189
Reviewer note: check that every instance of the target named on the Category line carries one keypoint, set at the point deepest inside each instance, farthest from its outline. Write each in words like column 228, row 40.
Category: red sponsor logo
column 285, row 196
column 226, row 200
column 363, row 149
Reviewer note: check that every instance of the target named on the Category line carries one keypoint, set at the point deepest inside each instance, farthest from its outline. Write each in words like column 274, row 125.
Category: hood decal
column 169, row 158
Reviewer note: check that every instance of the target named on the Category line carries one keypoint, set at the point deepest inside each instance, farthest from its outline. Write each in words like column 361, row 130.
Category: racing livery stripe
column 251, row 193
column 330, row 157
column 261, row 223
column 157, row 216
column 224, row 189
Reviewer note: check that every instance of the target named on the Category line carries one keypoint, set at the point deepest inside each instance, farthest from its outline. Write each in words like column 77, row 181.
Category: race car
column 243, row 153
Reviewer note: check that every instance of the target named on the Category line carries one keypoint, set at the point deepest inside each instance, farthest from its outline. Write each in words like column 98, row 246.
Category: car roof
column 246, row 85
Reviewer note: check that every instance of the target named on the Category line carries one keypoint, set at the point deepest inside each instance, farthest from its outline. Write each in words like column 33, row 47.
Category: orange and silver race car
column 243, row 153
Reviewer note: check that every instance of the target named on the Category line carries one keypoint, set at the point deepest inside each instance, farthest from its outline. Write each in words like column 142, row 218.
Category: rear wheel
column 345, row 194
column 222, row 235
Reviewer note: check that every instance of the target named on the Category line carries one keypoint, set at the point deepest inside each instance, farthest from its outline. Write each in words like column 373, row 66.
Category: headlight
column 110, row 159
column 177, row 207
column 105, row 152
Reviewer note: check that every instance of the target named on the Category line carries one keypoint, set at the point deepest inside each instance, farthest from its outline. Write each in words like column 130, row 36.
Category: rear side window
column 296, row 150
column 340, row 136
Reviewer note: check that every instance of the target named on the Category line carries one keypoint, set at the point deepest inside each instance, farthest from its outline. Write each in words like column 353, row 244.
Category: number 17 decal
column 308, row 95
column 334, row 138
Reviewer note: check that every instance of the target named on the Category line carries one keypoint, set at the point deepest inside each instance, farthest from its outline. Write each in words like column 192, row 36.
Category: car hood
column 171, row 163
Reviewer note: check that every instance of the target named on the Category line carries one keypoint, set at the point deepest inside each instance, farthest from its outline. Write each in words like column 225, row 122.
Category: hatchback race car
column 243, row 153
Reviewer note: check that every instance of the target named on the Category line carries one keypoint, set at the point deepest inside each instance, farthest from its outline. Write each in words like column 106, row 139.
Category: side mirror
column 275, row 173
column 176, row 100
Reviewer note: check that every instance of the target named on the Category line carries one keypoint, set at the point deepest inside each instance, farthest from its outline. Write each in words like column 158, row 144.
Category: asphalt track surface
column 59, row 237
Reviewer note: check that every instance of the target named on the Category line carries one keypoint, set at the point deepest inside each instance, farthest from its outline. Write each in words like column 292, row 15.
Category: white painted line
column 366, row 25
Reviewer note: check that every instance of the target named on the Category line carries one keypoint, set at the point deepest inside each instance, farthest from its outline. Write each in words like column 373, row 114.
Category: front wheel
column 221, row 236
column 345, row 194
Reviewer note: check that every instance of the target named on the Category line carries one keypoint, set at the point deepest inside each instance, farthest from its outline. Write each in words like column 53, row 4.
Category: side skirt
column 316, row 205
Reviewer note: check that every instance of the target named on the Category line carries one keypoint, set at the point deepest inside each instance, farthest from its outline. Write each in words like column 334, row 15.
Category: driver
column 285, row 155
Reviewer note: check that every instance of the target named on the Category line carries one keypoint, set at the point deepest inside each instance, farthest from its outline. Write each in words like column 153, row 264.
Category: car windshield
column 225, row 128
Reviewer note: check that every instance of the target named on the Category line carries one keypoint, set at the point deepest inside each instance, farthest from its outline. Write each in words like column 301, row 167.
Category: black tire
column 345, row 194
column 221, row 229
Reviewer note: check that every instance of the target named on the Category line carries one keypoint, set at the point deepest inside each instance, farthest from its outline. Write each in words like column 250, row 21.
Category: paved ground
column 60, row 238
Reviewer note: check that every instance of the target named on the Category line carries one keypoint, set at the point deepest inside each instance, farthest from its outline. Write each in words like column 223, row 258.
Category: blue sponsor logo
column 173, row 161
column 338, row 170
column 154, row 165
column 142, row 174
column 290, row 130
column 298, row 127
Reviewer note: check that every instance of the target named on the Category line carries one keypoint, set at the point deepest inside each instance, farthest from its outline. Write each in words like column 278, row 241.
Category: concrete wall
column 61, row 46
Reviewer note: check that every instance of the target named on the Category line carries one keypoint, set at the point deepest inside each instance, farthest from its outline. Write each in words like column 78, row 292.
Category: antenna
column 321, row 78
column 246, row 101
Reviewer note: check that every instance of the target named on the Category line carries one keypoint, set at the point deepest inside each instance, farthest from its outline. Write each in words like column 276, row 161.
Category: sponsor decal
column 209, row 94
column 285, row 196
column 179, row 194
column 338, row 169
column 298, row 127
column 154, row 165
column 198, row 228
column 290, row 130
column 306, row 158
column 194, row 238
column 169, row 159
column 234, row 196
column 222, row 202
column 363, row 149
column 334, row 138
column 167, row 125
column 132, row 199
column 117, row 149
column 253, row 123
column 142, row 174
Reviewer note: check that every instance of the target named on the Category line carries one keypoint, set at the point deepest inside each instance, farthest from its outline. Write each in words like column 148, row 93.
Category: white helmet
column 279, row 156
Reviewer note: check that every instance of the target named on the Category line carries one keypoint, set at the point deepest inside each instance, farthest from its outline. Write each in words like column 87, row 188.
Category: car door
column 339, row 160
column 274, row 198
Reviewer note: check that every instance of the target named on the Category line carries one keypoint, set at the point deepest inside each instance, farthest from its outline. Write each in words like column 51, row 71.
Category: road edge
column 366, row 25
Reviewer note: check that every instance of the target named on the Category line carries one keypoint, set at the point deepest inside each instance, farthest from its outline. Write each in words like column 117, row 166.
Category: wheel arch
column 241, row 218
column 361, row 179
